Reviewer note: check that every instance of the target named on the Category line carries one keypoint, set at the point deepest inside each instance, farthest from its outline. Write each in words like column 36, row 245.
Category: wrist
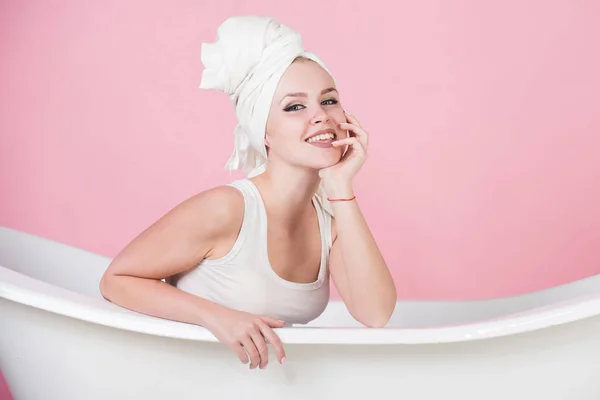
column 206, row 312
column 340, row 192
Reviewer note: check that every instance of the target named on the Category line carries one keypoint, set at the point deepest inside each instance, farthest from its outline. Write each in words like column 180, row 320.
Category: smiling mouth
column 322, row 138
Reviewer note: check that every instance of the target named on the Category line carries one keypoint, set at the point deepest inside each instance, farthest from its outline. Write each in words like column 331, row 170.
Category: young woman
column 246, row 257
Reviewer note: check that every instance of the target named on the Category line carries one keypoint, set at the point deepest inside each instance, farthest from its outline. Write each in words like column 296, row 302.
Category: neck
column 287, row 191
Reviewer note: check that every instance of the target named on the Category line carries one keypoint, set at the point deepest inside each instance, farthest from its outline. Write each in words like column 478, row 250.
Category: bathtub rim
column 28, row 291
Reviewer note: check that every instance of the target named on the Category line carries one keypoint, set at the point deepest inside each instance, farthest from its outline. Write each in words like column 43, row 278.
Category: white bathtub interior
column 79, row 271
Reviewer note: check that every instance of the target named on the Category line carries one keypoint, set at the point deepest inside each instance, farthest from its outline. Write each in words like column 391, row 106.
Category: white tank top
column 244, row 280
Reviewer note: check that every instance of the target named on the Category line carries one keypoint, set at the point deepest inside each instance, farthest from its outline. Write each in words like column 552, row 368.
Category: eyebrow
column 302, row 94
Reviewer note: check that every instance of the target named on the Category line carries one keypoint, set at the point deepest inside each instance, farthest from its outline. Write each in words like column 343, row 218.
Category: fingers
column 351, row 141
column 252, row 351
column 351, row 118
column 353, row 125
column 355, row 148
column 261, row 346
column 273, row 323
column 354, row 128
column 272, row 338
column 243, row 356
column 358, row 132
column 251, row 342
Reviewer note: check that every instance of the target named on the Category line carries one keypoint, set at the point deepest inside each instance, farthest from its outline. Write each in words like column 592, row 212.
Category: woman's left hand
column 338, row 177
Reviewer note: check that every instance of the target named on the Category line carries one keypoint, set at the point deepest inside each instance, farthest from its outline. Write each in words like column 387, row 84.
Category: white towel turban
column 246, row 62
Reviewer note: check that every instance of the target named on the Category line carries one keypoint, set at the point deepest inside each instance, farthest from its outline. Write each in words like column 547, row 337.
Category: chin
column 325, row 163
column 322, row 159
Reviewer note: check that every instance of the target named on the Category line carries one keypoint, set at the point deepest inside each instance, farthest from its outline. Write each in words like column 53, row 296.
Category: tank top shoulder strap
column 251, row 201
column 325, row 224
column 250, row 222
column 244, row 186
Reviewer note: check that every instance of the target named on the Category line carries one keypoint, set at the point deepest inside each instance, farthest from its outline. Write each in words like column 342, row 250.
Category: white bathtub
column 59, row 339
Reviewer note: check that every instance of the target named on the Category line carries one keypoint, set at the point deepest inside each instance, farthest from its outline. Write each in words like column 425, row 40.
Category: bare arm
column 175, row 243
column 358, row 268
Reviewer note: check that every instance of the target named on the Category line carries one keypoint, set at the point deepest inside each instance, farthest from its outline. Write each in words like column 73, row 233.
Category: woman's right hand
column 247, row 334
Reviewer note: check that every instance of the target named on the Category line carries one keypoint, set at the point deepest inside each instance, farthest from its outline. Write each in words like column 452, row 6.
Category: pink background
column 484, row 121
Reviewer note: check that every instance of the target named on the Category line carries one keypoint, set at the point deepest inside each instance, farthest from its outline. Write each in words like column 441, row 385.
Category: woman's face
column 304, row 118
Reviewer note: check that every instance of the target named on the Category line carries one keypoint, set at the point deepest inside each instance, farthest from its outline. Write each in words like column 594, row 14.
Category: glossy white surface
column 60, row 339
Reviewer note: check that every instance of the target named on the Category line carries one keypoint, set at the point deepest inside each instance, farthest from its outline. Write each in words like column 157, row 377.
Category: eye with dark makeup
column 327, row 102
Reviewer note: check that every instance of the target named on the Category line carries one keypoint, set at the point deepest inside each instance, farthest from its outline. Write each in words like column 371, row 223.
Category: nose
column 320, row 117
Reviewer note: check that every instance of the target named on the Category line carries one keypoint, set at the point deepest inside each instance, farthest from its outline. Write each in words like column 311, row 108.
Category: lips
column 322, row 136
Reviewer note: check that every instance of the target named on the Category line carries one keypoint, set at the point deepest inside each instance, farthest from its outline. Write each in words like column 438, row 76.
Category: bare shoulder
column 183, row 236
column 215, row 211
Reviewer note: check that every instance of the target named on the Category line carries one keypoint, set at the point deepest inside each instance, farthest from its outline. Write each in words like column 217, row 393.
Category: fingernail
column 283, row 360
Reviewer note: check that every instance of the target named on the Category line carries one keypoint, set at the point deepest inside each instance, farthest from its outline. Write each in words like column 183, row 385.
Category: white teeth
column 324, row 136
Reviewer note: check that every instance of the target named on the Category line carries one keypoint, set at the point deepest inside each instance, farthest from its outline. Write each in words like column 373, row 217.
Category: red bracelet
column 350, row 199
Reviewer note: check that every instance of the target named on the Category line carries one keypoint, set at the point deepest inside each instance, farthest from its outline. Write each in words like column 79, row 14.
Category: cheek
column 284, row 133
column 275, row 130
column 274, row 124
column 338, row 116
column 341, row 117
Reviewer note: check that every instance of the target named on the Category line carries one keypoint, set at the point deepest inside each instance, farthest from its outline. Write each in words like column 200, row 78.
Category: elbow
column 376, row 324
column 378, row 320
column 103, row 286
column 106, row 285
column 380, row 316
column 109, row 282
